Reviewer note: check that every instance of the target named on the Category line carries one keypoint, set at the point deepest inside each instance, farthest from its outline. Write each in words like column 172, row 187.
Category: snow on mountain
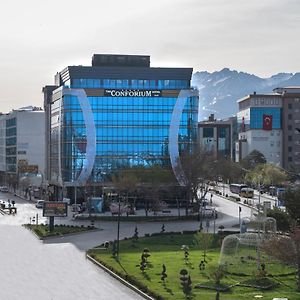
column 220, row 90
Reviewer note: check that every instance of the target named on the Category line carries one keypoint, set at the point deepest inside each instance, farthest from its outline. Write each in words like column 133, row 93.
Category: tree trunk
column 298, row 271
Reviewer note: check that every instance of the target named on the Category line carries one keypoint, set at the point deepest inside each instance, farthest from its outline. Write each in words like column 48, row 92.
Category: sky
column 40, row 38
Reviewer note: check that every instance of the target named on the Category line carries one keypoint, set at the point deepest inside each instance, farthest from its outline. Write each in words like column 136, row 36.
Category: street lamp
column 118, row 230
column 201, row 217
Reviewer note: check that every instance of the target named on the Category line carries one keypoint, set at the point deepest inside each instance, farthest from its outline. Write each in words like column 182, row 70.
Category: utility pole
column 240, row 210
column 118, row 230
column 259, row 224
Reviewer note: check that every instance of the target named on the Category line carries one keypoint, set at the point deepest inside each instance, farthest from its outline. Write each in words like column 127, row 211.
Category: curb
column 237, row 202
column 60, row 235
column 120, row 279
column 23, row 198
column 69, row 234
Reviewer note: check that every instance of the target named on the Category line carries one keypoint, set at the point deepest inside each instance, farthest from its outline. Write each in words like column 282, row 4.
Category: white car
column 39, row 204
column 4, row 189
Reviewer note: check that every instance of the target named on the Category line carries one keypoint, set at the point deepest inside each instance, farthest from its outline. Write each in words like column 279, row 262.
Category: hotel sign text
column 132, row 93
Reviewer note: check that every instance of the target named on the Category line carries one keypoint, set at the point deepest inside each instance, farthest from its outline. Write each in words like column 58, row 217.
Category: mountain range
column 220, row 90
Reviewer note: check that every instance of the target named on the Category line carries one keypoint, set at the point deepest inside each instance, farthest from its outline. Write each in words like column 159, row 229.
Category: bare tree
column 286, row 249
column 201, row 168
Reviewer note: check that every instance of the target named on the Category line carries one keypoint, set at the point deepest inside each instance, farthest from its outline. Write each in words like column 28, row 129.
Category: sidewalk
column 19, row 195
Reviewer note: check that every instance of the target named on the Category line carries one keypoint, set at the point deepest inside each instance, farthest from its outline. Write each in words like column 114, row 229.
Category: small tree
column 202, row 265
column 143, row 263
column 136, row 234
column 266, row 174
column 218, row 274
column 204, row 241
column 146, row 254
column 185, row 249
column 114, row 249
column 106, row 245
column 185, row 281
column 283, row 220
column 292, row 203
column 286, row 249
column 163, row 273
column 253, row 159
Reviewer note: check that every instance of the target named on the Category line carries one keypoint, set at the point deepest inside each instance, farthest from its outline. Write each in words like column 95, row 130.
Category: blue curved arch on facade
column 90, row 133
column 174, row 132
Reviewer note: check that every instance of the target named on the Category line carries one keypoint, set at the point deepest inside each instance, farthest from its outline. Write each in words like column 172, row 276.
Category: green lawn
column 43, row 231
column 166, row 249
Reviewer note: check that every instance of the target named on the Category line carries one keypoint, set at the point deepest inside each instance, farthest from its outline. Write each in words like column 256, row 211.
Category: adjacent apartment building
column 218, row 137
column 290, row 127
column 22, row 147
column 117, row 113
column 270, row 123
column 260, row 127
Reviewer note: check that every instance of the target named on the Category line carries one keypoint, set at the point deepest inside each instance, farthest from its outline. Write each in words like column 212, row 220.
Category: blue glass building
column 115, row 114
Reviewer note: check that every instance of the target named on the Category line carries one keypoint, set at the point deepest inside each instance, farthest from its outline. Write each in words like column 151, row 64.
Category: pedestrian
column 211, row 196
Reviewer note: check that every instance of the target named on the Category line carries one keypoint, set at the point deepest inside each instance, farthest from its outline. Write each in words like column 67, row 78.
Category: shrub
column 164, row 273
column 185, row 248
column 136, row 233
column 185, row 281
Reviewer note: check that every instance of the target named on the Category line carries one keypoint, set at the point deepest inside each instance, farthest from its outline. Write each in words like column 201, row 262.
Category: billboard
column 96, row 204
column 55, row 209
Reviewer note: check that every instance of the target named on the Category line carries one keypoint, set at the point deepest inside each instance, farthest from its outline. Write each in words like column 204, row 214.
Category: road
column 33, row 270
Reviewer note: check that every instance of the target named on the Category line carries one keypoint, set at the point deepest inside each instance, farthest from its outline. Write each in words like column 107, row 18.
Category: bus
column 280, row 196
column 236, row 188
column 247, row 193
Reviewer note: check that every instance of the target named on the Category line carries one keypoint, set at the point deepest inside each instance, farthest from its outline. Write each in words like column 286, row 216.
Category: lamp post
column 118, row 228
column 240, row 210
column 215, row 221
column 201, row 217
column 259, row 224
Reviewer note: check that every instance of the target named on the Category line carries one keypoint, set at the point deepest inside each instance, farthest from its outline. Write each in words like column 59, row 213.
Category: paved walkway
column 31, row 270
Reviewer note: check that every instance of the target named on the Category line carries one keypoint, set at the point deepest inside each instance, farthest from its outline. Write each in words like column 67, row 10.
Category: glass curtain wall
column 130, row 131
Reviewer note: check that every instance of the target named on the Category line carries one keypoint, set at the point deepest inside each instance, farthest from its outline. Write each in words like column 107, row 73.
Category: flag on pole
column 267, row 122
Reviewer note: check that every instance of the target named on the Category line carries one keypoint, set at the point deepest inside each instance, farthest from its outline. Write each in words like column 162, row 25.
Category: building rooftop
column 120, row 60
column 115, row 66
column 255, row 95
column 288, row 90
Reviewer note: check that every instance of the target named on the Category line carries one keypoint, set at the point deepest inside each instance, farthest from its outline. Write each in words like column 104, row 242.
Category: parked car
column 77, row 208
column 67, row 200
column 39, row 204
column 210, row 212
column 4, row 189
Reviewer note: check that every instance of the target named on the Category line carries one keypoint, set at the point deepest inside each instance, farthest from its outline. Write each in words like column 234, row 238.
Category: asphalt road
column 33, row 270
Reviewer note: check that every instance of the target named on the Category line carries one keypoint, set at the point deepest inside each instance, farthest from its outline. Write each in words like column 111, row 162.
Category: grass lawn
column 43, row 230
column 166, row 249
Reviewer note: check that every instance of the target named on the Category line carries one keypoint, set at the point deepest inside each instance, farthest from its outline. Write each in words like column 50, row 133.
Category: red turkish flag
column 267, row 122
